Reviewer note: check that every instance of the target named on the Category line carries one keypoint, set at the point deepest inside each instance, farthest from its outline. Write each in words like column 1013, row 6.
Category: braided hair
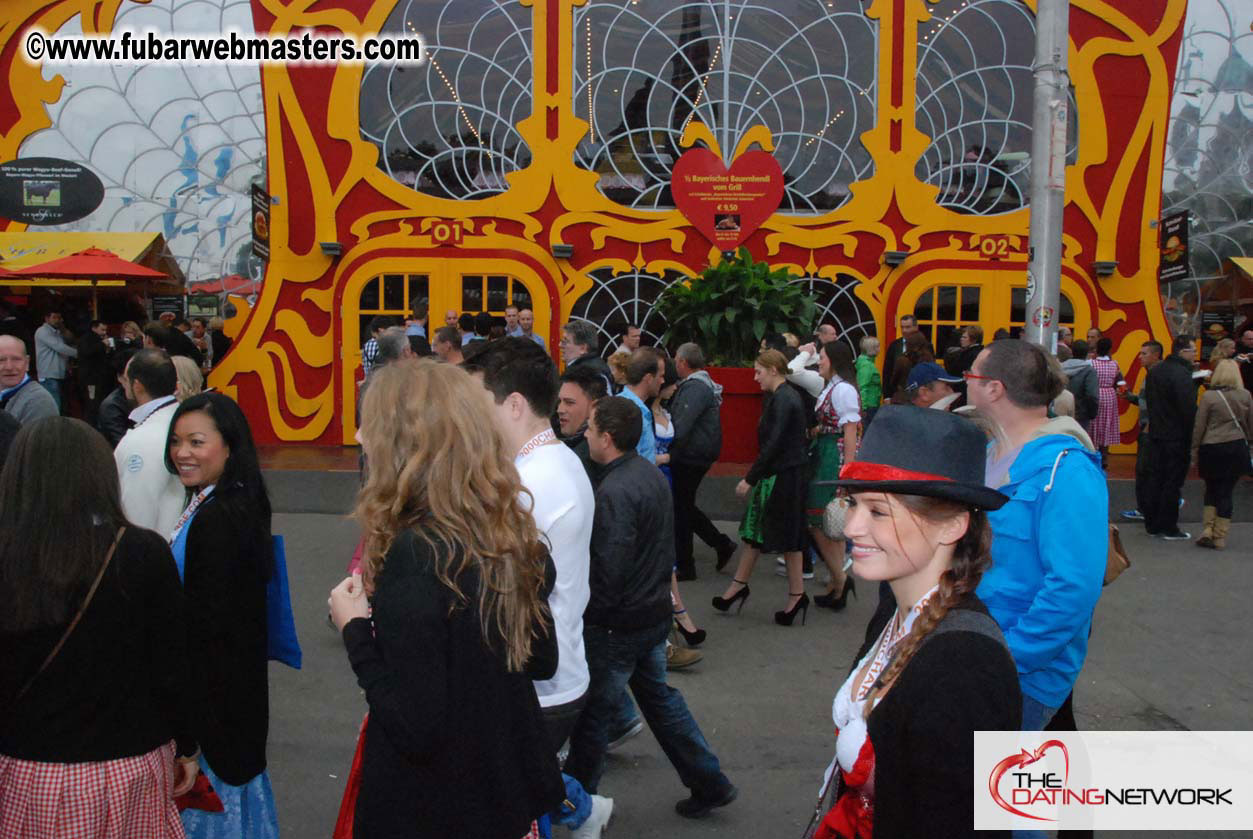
column 971, row 557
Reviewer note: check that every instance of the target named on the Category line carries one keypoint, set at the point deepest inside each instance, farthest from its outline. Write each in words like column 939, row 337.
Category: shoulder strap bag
column 91, row 593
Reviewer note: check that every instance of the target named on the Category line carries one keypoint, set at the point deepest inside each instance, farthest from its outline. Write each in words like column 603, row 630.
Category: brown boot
column 1221, row 526
column 1208, row 514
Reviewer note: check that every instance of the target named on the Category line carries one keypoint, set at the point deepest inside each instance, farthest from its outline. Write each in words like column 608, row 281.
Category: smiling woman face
column 888, row 542
column 197, row 449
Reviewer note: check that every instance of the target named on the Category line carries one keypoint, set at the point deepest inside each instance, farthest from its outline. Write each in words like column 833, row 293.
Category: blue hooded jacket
column 1049, row 546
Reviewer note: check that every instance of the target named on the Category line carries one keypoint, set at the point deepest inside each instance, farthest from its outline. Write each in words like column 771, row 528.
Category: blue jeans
column 637, row 658
column 53, row 386
column 1035, row 715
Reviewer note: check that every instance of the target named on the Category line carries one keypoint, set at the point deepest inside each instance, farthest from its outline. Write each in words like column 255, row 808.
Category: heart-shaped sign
column 726, row 205
column 1023, row 759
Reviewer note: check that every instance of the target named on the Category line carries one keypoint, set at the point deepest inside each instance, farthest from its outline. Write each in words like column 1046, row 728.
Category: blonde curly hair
column 437, row 466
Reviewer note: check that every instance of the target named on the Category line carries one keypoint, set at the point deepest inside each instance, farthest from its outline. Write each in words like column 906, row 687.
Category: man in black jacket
column 580, row 388
column 579, row 348
column 94, row 372
column 629, row 614
column 1171, row 395
column 697, row 442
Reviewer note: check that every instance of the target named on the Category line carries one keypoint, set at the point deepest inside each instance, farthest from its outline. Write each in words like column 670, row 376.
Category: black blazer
column 957, row 683
column 227, row 566
column 456, row 744
column 781, row 441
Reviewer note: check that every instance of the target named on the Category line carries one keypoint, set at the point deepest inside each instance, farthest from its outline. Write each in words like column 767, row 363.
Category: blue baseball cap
column 926, row 372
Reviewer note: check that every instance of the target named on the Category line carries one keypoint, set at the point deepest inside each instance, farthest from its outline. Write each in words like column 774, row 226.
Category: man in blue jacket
column 1050, row 541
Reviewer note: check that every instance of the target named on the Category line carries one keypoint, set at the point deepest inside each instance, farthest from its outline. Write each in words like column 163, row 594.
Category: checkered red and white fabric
column 128, row 798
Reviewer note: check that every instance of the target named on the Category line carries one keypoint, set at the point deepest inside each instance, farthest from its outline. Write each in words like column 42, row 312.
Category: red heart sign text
column 726, row 205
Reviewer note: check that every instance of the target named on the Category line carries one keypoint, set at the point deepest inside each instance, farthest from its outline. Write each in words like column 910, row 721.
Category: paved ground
column 1170, row 651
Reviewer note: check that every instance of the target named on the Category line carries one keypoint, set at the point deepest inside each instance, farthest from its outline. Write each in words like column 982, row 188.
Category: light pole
column 1048, row 172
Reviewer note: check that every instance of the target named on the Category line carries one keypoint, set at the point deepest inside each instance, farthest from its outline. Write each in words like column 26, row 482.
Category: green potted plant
column 727, row 310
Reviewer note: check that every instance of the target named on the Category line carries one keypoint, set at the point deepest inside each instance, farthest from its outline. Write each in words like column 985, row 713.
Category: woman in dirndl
column 838, row 423
column 1103, row 429
column 224, row 553
column 934, row 667
column 774, row 521
column 93, row 657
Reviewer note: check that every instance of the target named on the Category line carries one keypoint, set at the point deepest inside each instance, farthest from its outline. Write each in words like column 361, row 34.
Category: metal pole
column 1048, row 172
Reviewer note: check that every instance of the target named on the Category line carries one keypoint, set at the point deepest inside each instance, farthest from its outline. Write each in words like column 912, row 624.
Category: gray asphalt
column 1170, row 650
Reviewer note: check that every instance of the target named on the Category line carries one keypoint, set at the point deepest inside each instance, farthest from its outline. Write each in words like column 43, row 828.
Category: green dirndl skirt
column 826, row 456
column 752, row 525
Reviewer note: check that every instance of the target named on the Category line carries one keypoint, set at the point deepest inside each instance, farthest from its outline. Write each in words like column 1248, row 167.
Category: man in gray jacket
column 52, row 357
column 20, row 395
column 697, row 442
column 1081, row 380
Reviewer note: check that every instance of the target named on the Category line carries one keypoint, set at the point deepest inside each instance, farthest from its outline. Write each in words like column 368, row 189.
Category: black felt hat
column 919, row 451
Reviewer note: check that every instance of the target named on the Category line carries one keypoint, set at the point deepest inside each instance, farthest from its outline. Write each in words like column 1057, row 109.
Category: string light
column 700, row 94
column 818, row 136
column 590, row 121
column 456, row 97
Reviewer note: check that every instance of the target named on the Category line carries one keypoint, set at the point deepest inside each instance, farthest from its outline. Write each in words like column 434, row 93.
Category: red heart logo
column 726, row 205
column 1026, row 758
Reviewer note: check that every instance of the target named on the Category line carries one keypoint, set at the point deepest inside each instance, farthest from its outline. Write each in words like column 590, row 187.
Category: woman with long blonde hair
column 1220, row 448
column 458, row 578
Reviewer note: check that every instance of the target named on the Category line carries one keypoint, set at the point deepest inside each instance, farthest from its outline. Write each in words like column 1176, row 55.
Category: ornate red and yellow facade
column 297, row 354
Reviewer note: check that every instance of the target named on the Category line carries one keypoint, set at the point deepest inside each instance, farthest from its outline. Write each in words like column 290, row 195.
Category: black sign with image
column 167, row 303
column 1174, row 248
column 47, row 190
column 260, row 222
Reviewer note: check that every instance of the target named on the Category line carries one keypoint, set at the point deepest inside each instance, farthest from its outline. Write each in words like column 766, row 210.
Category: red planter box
column 741, row 410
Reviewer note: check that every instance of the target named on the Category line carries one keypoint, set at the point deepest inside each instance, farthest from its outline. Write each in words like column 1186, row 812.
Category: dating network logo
column 1038, row 788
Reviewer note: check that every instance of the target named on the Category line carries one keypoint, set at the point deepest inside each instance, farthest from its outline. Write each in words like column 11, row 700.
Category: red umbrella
column 91, row 264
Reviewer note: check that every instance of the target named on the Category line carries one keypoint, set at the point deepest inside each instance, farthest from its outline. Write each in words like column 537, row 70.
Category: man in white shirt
column 630, row 340
column 512, row 330
column 522, row 380
column 151, row 496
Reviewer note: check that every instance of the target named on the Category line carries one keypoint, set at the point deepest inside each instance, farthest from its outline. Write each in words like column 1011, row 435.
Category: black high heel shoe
column 694, row 638
column 786, row 617
column 724, row 604
column 830, row 601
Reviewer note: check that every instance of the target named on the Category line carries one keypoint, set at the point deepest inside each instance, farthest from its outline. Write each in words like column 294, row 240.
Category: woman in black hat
column 934, row 667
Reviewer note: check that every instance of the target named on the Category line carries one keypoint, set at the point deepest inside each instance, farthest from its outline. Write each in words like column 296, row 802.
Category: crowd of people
column 79, row 375
column 526, row 530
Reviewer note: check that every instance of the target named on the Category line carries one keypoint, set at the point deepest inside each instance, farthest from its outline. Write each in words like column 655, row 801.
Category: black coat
column 632, row 546
column 695, row 410
column 93, row 364
column 1171, row 395
column 113, row 421
column 221, row 345
column 598, row 364
column 781, row 441
column 456, row 744
column 957, row 683
column 228, row 562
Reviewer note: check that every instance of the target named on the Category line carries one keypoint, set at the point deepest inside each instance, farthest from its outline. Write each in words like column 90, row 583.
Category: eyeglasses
column 968, row 375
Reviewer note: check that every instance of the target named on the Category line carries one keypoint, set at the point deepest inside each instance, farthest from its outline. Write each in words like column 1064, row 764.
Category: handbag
column 348, row 804
column 1117, row 560
column 281, row 642
column 833, row 517
column 65, row 636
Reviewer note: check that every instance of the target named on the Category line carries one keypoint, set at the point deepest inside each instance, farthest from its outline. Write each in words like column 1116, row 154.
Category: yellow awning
column 18, row 250
column 1244, row 263
column 55, row 283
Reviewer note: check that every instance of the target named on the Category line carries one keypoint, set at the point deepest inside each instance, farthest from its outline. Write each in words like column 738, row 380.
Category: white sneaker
column 597, row 821
column 781, row 571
